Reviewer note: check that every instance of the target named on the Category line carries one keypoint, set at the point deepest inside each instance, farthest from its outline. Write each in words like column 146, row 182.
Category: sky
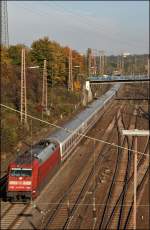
column 112, row 26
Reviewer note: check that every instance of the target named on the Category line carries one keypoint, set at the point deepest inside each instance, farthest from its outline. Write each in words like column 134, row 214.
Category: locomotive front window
column 21, row 172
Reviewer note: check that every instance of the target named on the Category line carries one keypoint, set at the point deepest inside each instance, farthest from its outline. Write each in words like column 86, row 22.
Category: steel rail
column 129, row 181
column 113, row 180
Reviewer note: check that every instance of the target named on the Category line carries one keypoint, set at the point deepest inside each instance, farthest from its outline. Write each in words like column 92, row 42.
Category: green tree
column 15, row 53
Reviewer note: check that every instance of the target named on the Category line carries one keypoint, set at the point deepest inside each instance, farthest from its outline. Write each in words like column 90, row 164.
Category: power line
column 72, row 131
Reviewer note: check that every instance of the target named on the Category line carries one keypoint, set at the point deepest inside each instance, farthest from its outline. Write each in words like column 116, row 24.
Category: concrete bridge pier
column 87, row 93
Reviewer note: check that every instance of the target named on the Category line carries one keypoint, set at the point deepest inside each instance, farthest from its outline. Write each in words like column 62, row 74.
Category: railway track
column 127, row 198
column 66, row 211
column 68, row 204
column 87, row 200
column 92, row 184
column 13, row 215
column 128, row 222
column 120, row 214
column 112, row 219
column 5, row 208
column 119, row 175
column 127, row 173
column 75, row 205
column 80, row 223
column 126, row 168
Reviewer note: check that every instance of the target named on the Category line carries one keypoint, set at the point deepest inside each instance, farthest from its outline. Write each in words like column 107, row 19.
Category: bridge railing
column 118, row 78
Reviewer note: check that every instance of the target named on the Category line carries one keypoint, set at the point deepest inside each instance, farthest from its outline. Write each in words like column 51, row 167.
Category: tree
column 15, row 53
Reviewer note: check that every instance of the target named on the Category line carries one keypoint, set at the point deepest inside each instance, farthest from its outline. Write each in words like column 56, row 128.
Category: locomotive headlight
column 11, row 187
column 34, row 191
column 20, row 182
column 26, row 182
column 12, row 182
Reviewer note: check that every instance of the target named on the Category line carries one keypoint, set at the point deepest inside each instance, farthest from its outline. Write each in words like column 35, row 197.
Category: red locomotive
column 29, row 172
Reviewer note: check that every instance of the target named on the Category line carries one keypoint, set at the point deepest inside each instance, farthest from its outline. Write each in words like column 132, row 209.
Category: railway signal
column 135, row 133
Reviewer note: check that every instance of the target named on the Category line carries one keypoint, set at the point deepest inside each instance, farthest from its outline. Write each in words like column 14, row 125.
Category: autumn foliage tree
column 57, row 66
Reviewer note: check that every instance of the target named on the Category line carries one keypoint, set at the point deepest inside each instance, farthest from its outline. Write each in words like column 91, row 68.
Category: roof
column 40, row 151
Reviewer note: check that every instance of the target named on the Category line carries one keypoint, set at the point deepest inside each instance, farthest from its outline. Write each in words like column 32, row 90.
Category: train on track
column 30, row 172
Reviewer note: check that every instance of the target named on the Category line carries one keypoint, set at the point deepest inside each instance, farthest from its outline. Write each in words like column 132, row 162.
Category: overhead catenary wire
column 71, row 131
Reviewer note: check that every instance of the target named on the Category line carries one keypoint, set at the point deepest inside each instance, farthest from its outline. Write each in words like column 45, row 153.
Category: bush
column 9, row 138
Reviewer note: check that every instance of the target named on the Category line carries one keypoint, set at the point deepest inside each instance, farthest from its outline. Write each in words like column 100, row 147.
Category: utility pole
column 122, row 64
column 148, row 66
column 135, row 65
column 89, row 62
column 44, row 89
column 119, row 63
column 70, row 78
column 105, row 64
column 94, row 63
column 4, row 23
column 101, row 62
column 135, row 133
column 23, row 89
column 132, row 67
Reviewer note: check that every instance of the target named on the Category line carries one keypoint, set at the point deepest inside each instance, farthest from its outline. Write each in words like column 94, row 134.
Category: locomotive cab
column 19, row 183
